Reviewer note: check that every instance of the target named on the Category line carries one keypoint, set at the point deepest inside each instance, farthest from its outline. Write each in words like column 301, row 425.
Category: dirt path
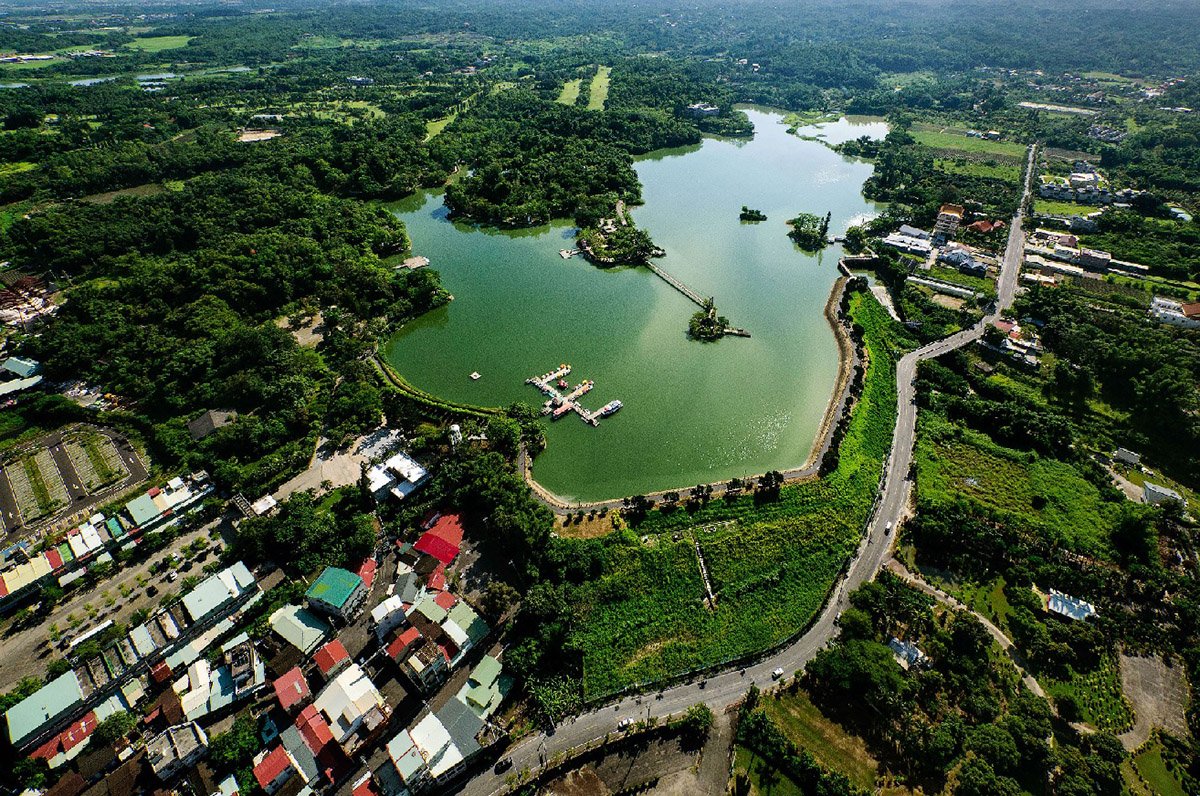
column 1004, row 641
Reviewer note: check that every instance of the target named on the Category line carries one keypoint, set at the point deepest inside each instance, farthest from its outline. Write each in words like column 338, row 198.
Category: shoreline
column 837, row 405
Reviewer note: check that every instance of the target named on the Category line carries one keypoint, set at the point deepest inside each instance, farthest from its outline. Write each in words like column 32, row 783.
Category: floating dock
column 560, row 405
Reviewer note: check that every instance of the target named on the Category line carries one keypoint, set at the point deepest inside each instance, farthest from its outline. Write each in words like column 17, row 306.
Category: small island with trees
column 749, row 214
column 706, row 325
column 617, row 241
column 809, row 231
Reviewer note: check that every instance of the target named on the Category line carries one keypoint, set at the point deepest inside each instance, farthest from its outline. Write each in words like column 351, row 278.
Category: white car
column 778, row 673
column 624, row 724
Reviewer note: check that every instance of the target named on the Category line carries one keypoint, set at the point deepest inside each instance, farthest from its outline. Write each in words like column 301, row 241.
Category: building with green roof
column 337, row 592
column 30, row 717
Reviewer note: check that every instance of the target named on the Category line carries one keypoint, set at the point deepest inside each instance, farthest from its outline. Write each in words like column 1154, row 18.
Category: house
column 337, row 592
column 331, row 659
column 436, row 748
column 299, row 627
column 176, row 749
column 701, row 109
column 1174, row 313
column 1070, row 607
column 70, row 743
column 427, row 665
column 1126, row 456
column 909, row 245
column 1156, row 495
column 217, row 590
column 352, row 707
column 388, row 616
column 443, row 540
column 51, row 703
column 486, row 687
column 913, row 232
column 907, row 653
column 360, row 81
column 1094, row 259
column 273, row 769
column 209, row 422
column 20, row 367
column 291, row 689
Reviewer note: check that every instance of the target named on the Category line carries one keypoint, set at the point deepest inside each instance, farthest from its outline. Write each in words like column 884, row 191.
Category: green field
column 599, row 90
column 981, row 283
column 155, row 44
column 570, row 91
column 1150, row 765
column 644, row 619
column 941, row 139
column 1007, row 172
column 833, row 747
column 1045, row 495
column 1054, row 208
column 767, row 781
column 1098, row 694
column 433, row 128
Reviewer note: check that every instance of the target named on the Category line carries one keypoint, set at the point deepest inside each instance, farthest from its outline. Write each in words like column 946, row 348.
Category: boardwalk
column 692, row 295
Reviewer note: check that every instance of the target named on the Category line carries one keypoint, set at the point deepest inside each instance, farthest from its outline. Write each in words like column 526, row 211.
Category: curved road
column 722, row 690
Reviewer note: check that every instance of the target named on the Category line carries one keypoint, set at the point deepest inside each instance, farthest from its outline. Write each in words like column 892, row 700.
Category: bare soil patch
column 1159, row 694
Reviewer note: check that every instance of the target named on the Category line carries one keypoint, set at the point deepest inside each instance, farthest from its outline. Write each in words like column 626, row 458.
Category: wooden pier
column 560, row 405
column 691, row 294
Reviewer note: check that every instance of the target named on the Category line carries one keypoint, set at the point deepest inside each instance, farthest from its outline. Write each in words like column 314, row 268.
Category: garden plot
column 52, row 479
column 37, row 485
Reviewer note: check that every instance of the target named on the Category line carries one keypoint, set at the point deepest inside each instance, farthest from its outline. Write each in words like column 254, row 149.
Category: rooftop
column 331, row 656
column 52, row 700
column 300, row 627
column 291, row 688
column 334, row 586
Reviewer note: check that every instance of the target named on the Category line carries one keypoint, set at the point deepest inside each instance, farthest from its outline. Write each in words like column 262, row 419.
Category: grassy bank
column 771, row 568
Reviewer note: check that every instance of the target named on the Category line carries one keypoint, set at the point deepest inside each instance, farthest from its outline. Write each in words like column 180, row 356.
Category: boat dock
column 559, row 404
column 567, row 254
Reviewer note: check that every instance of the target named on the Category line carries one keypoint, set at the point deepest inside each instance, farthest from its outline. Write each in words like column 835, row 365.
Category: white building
column 176, row 749
column 1068, row 606
column 1155, row 495
column 1173, row 313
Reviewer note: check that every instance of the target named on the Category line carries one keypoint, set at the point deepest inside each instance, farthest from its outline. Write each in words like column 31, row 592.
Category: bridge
column 691, row 294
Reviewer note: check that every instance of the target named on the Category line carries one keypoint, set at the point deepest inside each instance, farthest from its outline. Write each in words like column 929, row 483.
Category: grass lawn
column 154, row 44
column 834, row 748
column 437, row 125
column 767, row 781
column 987, row 599
column 951, row 140
column 599, row 89
column 643, row 619
column 1054, row 208
column 1045, row 495
column 570, row 91
column 1150, row 765
column 981, row 283
column 1008, row 172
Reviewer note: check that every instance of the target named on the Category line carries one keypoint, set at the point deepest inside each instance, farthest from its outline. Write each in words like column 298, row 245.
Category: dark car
column 502, row 765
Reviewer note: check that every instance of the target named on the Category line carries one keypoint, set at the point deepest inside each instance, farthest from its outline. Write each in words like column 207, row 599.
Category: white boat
column 610, row 408
column 476, row 376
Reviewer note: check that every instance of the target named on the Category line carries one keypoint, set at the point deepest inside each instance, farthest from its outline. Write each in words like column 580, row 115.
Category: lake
column 693, row 412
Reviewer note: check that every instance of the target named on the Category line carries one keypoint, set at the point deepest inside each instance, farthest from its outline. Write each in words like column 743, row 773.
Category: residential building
column 337, row 592
column 352, row 707
column 913, row 232
column 331, row 659
column 1126, row 456
column 907, row 653
column 1156, row 495
column 948, row 219
column 299, row 627
column 360, row 81
column 701, row 109
column 176, row 749
column 1174, row 313
column 217, row 591
column 910, row 245
column 273, row 769
column 1094, row 259
column 486, row 687
column 45, row 707
column 1068, row 606
column 443, row 540
column 291, row 689
column 209, row 422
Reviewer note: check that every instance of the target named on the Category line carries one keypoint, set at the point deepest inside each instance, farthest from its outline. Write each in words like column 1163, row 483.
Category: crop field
column 1098, row 694
column 570, row 91
column 953, row 142
column 644, row 619
column 599, row 90
column 1044, row 494
column 155, row 44
column 1006, row 171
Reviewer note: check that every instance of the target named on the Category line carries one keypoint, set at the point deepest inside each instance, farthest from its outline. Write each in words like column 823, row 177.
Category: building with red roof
column 58, row 749
column 291, row 688
column 274, row 770
column 404, row 642
column 437, row 578
column 314, row 729
column 366, row 571
column 445, row 600
column 443, row 540
column 332, row 658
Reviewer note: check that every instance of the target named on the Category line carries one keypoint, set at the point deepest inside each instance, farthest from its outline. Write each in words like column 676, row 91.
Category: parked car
column 624, row 724
column 503, row 765
column 778, row 673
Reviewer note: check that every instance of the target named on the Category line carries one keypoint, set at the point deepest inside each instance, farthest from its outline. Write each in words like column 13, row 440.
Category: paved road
column 874, row 552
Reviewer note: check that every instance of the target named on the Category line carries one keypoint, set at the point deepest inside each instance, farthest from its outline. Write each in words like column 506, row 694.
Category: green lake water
column 693, row 412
